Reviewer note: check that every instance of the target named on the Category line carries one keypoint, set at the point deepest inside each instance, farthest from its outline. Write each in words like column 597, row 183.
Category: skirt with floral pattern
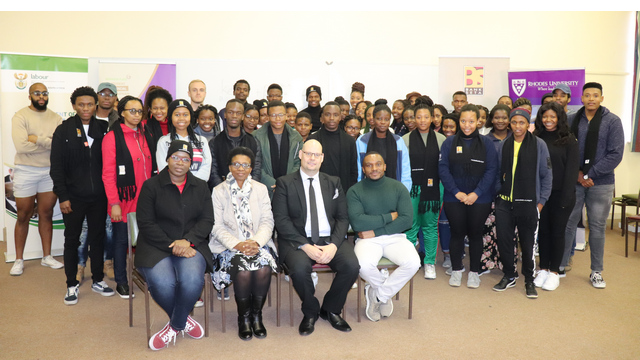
column 227, row 264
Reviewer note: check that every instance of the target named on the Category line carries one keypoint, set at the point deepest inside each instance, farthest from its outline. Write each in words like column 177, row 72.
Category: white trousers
column 397, row 249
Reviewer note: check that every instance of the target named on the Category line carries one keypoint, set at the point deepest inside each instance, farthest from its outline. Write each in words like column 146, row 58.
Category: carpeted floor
column 576, row 321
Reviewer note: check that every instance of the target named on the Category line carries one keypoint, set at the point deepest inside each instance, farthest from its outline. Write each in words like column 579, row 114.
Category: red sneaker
column 162, row 338
column 193, row 329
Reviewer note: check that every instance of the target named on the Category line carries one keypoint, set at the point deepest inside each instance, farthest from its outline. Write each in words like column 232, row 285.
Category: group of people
column 213, row 189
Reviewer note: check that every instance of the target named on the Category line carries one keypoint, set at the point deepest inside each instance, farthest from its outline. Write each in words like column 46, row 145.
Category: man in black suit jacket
column 304, row 241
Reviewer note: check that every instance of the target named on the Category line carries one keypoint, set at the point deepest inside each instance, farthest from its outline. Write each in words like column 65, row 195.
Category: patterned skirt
column 227, row 264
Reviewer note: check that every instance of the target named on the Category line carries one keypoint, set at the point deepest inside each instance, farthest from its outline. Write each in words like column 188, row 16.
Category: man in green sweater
column 380, row 211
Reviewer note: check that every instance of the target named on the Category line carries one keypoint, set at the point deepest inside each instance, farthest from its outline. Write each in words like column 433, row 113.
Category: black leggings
column 466, row 220
column 552, row 226
column 248, row 283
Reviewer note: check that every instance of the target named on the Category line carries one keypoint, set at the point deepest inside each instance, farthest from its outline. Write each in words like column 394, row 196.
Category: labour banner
column 61, row 75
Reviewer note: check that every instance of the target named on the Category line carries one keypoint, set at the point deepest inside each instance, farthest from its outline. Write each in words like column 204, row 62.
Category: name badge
column 121, row 170
column 458, row 149
column 79, row 132
column 429, row 182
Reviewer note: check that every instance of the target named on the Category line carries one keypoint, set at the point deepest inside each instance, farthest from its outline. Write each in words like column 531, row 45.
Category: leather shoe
column 335, row 320
column 307, row 325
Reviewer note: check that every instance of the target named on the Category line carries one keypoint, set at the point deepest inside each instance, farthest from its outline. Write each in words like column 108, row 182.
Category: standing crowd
column 258, row 188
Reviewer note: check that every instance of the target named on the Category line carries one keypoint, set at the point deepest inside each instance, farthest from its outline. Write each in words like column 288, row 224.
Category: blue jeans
column 444, row 231
column 120, row 241
column 598, row 202
column 84, row 246
column 175, row 283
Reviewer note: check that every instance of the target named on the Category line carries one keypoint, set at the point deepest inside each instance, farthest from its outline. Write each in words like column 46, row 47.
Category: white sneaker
column 447, row 261
column 450, row 270
column 456, row 278
column 314, row 278
column 18, row 268
column 51, row 262
column 373, row 305
column 386, row 309
column 597, row 281
column 71, row 298
column 429, row 271
column 473, row 281
column 541, row 278
column 552, row 282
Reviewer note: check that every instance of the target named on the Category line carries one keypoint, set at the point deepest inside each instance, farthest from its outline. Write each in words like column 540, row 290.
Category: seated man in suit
column 380, row 211
column 310, row 212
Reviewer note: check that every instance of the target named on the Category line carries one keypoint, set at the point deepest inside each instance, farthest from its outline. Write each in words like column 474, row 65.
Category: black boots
column 244, row 320
column 256, row 317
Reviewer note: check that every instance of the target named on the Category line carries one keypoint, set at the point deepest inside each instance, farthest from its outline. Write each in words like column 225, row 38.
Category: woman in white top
column 180, row 114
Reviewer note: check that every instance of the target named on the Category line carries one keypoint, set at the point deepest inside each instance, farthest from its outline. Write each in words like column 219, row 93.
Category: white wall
column 376, row 42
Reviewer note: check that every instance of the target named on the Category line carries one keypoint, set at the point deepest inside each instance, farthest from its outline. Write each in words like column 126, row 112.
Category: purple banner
column 165, row 77
column 534, row 84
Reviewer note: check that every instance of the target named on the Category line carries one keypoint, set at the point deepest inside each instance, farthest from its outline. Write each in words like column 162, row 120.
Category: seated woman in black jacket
column 175, row 217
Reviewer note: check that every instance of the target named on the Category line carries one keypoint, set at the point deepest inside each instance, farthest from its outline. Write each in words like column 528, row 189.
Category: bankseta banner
column 534, row 84
column 61, row 75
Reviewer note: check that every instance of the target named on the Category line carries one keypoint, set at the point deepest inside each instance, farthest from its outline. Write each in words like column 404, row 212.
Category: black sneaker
column 504, row 284
column 123, row 291
column 531, row 290
column 562, row 273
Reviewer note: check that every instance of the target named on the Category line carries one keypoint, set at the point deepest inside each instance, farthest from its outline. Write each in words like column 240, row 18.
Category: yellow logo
column 474, row 80
column 181, row 103
column 185, row 147
column 21, row 80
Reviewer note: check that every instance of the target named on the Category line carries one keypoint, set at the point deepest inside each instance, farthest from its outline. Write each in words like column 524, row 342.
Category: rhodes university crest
column 519, row 86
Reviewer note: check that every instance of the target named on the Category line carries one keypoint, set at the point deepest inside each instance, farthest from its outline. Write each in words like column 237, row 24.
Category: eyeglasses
column 279, row 116
column 38, row 93
column 104, row 94
column 312, row 155
column 183, row 159
column 352, row 128
column 134, row 111
column 237, row 166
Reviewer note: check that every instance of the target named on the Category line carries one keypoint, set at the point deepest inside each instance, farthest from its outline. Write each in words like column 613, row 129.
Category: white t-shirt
column 201, row 162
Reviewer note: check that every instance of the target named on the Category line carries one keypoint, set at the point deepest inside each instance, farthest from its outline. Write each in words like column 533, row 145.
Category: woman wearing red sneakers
column 175, row 217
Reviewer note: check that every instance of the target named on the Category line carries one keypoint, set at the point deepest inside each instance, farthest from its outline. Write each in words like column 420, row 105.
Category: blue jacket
column 403, row 170
column 485, row 188
column 610, row 146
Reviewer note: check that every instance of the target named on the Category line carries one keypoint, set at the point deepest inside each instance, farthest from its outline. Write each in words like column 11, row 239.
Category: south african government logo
column 21, row 80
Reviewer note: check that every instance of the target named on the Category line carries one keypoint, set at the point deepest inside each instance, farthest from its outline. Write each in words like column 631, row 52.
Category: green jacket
column 293, row 164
